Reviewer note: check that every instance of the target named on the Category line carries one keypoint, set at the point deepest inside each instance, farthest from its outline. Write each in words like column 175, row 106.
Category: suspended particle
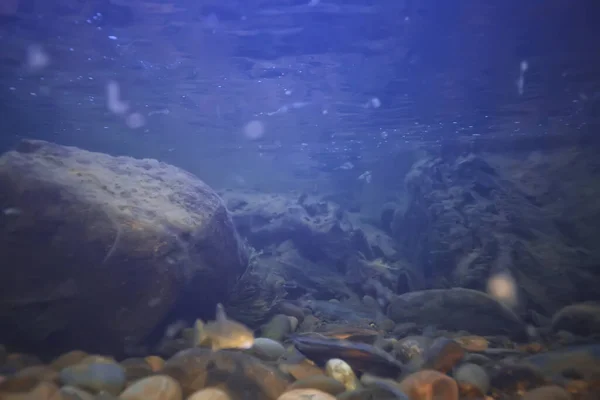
column 254, row 130
column 135, row 120
column 113, row 99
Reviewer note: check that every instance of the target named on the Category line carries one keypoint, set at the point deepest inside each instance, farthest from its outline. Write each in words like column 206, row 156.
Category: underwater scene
column 299, row 200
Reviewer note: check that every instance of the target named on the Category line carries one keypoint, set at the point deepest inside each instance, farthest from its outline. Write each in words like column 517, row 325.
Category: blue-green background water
column 443, row 73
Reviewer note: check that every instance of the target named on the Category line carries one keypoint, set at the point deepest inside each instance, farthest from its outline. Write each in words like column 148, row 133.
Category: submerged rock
column 341, row 372
column 427, row 384
column 457, row 309
column 267, row 349
column 473, row 381
column 158, row 387
column 469, row 215
column 95, row 376
column 106, row 247
column 302, row 394
column 580, row 319
column 582, row 360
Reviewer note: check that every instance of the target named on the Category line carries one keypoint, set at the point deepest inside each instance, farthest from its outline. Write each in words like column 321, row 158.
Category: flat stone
column 457, row 309
column 157, row 387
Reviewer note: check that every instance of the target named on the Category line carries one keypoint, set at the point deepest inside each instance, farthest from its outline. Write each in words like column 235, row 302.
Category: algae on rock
column 104, row 247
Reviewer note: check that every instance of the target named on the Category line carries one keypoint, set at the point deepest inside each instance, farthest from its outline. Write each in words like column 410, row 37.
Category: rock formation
column 470, row 217
column 97, row 250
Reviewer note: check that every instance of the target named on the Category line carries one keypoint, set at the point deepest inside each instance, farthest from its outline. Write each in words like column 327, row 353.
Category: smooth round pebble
column 68, row 359
column 473, row 343
column 293, row 323
column 209, row 394
column 95, row 377
column 157, row 387
column 41, row 391
column 443, row 355
column 342, row 372
column 473, row 375
column 304, row 394
column 267, row 349
column 155, row 362
column 291, row 310
column 40, row 372
column 74, row 393
column 429, row 384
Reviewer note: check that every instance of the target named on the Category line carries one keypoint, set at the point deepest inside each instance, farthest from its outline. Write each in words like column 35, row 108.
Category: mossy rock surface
column 97, row 249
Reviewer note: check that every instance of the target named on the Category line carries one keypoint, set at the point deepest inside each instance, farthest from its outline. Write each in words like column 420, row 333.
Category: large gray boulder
column 98, row 250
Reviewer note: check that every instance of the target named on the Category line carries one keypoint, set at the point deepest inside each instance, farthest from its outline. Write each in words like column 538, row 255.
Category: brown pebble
column 40, row 391
column 433, row 383
column 443, row 355
column 473, row 343
column 18, row 383
column 209, row 394
column 301, row 370
column 73, row 393
column 155, row 362
column 97, row 359
column 39, row 372
column 157, row 387
column 301, row 394
column 68, row 359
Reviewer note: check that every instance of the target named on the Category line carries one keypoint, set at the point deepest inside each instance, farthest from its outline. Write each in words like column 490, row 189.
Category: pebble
column 41, row 391
column 443, row 355
column 412, row 349
column 429, row 384
column 293, row 323
column 302, row 369
column 267, row 349
column 74, row 393
column 209, row 394
column 472, row 380
column 581, row 319
column 292, row 310
column 95, row 376
column 39, row 372
column 473, row 343
column 342, row 372
column 155, row 362
column 479, row 359
column 68, row 359
column 157, row 387
column 277, row 328
column 304, row 394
